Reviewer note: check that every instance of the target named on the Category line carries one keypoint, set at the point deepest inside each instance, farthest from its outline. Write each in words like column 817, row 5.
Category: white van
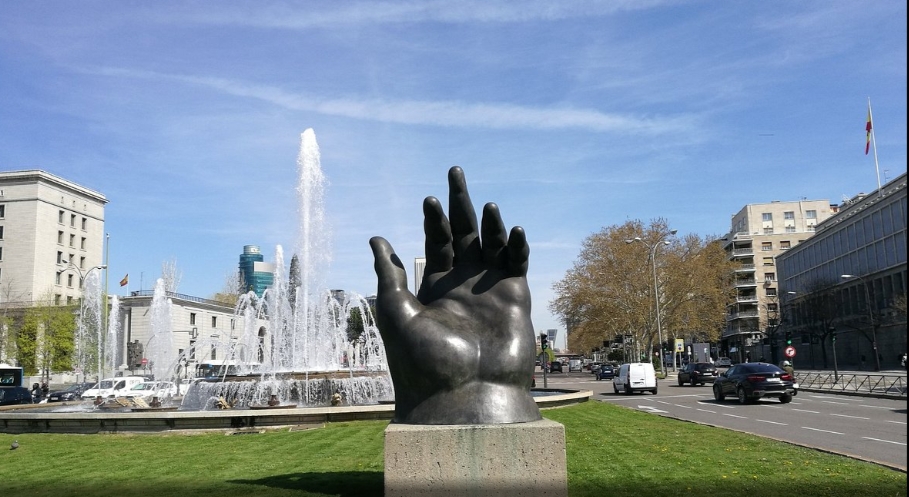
column 112, row 387
column 635, row 377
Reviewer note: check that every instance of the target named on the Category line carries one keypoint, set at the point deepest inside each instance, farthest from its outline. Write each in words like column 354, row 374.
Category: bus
column 218, row 368
column 11, row 376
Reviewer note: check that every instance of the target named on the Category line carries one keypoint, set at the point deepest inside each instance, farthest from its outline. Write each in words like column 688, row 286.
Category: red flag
column 868, row 130
column 125, row 280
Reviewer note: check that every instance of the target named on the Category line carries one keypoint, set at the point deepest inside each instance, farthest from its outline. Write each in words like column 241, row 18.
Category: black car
column 10, row 396
column 73, row 392
column 605, row 372
column 751, row 381
column 555, row 367
column 697, row 373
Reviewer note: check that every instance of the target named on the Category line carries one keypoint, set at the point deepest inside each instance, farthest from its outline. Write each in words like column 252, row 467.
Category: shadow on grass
column 342, row 483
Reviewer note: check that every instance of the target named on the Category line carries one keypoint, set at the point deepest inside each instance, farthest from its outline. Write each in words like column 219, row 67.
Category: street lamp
column 877, row 359
column 656, row 288
column 82, row 275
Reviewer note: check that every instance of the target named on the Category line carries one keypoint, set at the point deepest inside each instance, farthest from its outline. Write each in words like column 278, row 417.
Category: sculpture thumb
column 392, row 292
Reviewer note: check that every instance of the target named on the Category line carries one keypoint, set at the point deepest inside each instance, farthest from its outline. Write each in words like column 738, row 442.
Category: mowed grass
column 611, row 451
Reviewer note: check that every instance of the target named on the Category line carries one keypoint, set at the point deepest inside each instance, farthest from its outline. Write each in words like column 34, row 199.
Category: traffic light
column 788, row 337
column 544, row 341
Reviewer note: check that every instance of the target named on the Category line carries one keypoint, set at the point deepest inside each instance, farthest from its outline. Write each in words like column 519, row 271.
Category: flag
column 125, row 280
column 868, row 130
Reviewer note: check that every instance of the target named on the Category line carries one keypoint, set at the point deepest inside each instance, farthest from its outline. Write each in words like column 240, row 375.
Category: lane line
column 734, row 416
column 847, row 416
column 896, row 422
column 825, row 431
column 772, row 422
column 806, row 410
column 885, row 441
column 705, row 410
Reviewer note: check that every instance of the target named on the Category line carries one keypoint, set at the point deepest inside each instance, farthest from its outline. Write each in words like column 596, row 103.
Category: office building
column 255, row 274
column 51, row 237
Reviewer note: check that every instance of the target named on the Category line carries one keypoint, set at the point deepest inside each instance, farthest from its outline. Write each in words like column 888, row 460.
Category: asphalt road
column 866, row 428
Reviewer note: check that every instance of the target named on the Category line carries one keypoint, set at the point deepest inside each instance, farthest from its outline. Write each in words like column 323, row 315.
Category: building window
column 810, row 228
column 58, row 278
column 59, row 238
column 790, row 229
column 72, row 220
column 233, row 324
column 214, row 321
column 811, row 214
column 56, row 299
column 768, row 231
column 2, row 210
column 72, row 240
column 785, row 245
column 1, row 253
column 69, row 280
column 768, row 261
column 790, row 215
column 84, row 223
column 769, row 277
column 60, row 217
column 771, row 292
column 767, row 216
column 214, row 353
column 69, row 300
column 1, row 232
column 59, row 257
column 772, row 307
column 192, row 318
column 82, row 262
column 766, row 246
column 82, row 245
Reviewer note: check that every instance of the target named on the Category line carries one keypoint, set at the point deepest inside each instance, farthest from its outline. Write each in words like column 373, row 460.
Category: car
column 72, row 392
column 593, row 367
column 752, row 381
column 10, row 396
column 574, row 365
column 697, row 373
column 605, row 372
column 723, row 362
column 149, row 389
column 555, row 367
column 109, row 388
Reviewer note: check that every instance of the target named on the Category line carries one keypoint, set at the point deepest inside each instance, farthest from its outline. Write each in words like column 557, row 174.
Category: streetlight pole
column 877, row 359
column 82, row 276
column 656, row 288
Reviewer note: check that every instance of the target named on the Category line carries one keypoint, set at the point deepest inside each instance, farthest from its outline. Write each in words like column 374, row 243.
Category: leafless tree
column 171, row 275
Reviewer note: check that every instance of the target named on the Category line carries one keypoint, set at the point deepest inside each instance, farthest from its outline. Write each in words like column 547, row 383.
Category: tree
column 818, row 312
column 46, row 339
column 171, row 275
column 609, row 290
column 294, row 281
column 231, row 291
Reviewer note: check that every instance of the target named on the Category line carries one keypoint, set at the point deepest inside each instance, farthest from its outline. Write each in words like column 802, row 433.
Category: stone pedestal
column 507, row 460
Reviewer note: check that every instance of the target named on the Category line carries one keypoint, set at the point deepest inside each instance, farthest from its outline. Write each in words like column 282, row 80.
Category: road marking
column 806, row 410
column 734, row 416
column 847, row 416
column 650, row 409
column 838, row 403
column 772, row 422
column 897, row 422
column 680, row 405
column 885, row 441
column 875, row 407
column 706, row 410
column 818, row 429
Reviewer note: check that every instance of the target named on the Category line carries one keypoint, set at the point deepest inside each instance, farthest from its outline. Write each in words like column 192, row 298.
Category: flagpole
column 877, row 168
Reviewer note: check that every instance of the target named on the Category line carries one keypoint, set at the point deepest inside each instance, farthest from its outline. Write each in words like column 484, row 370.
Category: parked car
column 605, row 372
column 72, row 392
column 10, row 396
column 723, row 362
column 111, row 387
column 697, row 373
column 574, row 365
column 593, row 367
column 555, row 367
column 635, row 377
column 148, row 389
column 755, row 380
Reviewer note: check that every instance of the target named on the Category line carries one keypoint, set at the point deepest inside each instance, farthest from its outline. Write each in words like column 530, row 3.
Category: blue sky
column 572, row 116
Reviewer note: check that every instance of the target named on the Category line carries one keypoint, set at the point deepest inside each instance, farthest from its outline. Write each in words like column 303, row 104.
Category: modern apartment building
column 849, row 281
column 760, row 232
column 51, row 237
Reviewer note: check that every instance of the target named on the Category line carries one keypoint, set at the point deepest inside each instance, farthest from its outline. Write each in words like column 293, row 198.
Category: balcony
column 745, row 283
column 742, row 315
column 744, row 268
column 748, row 299
column 743, row 252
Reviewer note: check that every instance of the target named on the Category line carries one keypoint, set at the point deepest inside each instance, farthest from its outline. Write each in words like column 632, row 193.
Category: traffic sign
column 144, row 361
column 789, row 351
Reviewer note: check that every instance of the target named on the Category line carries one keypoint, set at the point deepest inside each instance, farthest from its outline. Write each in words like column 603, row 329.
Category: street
column 868, row 428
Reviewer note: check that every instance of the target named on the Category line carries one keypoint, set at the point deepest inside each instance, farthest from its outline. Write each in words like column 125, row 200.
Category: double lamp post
column 656, row 286
column 80, row 353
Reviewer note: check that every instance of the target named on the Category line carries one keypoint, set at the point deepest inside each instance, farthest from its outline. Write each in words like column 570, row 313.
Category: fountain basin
column 16, row 419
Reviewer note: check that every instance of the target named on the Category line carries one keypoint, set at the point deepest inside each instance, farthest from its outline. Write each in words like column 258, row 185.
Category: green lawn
column 612, row 451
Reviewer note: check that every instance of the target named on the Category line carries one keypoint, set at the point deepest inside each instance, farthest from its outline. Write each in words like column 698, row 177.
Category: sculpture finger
column 518, row 252
column 393, row 297
column 463, row 219
column 493, row 235
column 439, row 251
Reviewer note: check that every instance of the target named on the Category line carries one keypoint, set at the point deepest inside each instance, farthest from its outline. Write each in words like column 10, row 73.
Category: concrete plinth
column 508, row 460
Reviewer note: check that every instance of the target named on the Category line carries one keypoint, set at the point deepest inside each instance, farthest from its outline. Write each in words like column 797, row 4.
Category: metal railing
column 858, row 383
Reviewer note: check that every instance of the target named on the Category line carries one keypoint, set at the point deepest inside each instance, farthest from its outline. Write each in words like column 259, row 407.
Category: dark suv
column 697, row 373
column 755, row 380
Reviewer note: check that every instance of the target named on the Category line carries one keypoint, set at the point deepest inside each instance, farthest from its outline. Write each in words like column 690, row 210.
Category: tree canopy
column 609, row 289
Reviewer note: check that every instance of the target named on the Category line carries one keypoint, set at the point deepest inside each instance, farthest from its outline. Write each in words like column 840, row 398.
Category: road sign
column 145, row 361
column 789, row 351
